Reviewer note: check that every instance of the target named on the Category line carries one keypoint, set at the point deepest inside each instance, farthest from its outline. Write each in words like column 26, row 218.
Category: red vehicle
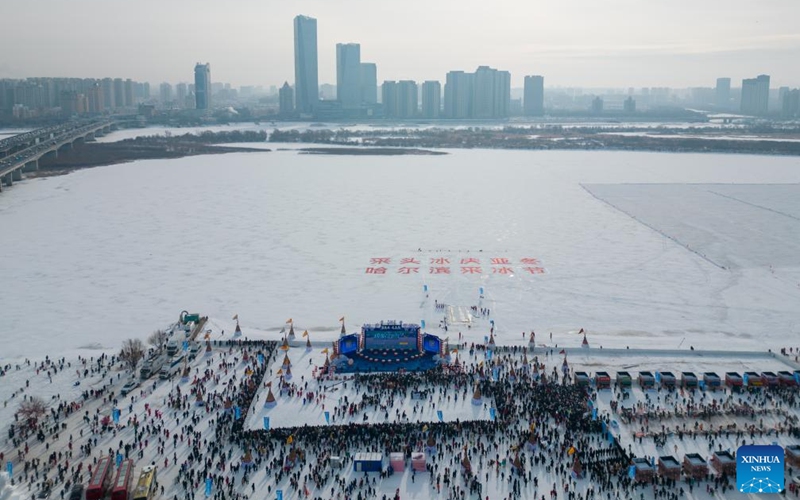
column 101, row 480
column 122, row 483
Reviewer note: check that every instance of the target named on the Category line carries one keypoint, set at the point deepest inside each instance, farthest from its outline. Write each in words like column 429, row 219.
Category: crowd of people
column 545, row 437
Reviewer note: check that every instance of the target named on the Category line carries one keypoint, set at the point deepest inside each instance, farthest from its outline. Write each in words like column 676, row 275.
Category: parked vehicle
column 129, row 387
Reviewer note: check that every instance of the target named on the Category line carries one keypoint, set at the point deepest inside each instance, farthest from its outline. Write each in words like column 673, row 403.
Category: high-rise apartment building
column 165, row 93
column 790, row 103
column 458, row 95
column 108, row 93
column 181, row 91
column 533, row 98
column 389, row 99
column 755, row 95
column 202, row 86
column 431, row 99
column 348, row 74
column 722, row 93
column 407, row 99
column 597, row 105
column 369, row 83
column 491, row 93
column 119, row 93
column 94, row 96
column 306, row 83
column 286, row 99
column 483, row 94
column 129, row 99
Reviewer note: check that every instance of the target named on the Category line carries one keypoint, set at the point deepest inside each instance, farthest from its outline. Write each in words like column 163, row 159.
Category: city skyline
column 573, row 46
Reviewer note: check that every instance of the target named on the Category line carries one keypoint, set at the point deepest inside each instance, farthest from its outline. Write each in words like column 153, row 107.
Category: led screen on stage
column 348, row 344
column 391, row 339
column 431, row 343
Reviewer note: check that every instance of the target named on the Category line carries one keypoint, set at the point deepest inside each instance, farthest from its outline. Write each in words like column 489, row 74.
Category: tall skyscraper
column 348, row 74
column 286, row 99
column 755, row 95
column 369, row 83
column 202, row 86
column 431, row 99
column 533, row 98
column 306, row 82
column 722, row 93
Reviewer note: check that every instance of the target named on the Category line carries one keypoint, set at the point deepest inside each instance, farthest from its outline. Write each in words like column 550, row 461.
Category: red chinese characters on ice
column 530, row 261
column 440, row 270
column 534, row 270
column 470, row 260
column 440, row 261
column 380, row 260
column 503, row 270
column 497, row 261
column 471, row 270
column 409, row 260
column 375, row 270
column 408, row 270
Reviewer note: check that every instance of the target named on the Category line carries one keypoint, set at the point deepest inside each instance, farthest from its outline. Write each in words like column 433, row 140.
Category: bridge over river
column 22, row 152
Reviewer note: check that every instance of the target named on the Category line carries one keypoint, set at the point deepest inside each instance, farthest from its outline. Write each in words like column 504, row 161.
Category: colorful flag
column 440, row 415
column 562, row 351
column 571, row 450
column 289, row 320
column 305, row 333
column 341, row 319
column 266, row 423
column 235, row 317
column 326, row 351
column 290, row 440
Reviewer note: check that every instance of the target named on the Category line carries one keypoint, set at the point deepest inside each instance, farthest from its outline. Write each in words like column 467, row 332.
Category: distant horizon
column 616, row 44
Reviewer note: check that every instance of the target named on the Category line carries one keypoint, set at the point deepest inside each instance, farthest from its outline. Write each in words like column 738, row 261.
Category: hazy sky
column 590, row 43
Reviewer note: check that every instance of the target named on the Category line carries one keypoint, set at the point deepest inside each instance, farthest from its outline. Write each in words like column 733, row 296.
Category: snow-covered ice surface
column 108, row 253
column 7, row 491
column 105, row 254
column 294, row 412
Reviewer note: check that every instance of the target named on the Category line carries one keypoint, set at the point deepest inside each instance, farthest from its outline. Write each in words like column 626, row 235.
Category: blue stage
column 389, row 346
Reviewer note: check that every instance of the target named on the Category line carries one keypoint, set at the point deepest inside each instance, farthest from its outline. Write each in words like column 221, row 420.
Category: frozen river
column 108, row 253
